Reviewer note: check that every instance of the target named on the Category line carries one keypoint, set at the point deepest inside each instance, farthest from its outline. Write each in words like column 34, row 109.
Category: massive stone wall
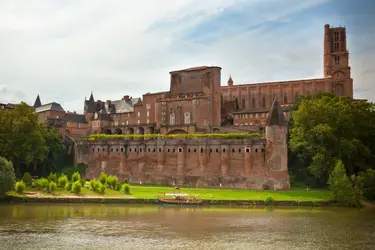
column 250, row 163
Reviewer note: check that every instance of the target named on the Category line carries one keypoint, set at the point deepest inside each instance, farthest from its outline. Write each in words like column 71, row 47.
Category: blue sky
column 65, row 49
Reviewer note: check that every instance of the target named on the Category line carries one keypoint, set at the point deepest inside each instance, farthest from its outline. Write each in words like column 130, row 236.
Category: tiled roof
column 71, row 117
column 121, row 106
column 50, row 107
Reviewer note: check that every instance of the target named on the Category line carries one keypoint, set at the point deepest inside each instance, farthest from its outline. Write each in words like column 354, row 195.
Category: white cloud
column 65, row 49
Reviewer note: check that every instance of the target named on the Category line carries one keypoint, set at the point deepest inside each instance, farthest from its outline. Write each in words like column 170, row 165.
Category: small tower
column 37, row 102
column 276, row 158
column 230, row 81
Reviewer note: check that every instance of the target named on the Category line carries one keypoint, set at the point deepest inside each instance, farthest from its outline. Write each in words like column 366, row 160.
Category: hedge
column 171, row 136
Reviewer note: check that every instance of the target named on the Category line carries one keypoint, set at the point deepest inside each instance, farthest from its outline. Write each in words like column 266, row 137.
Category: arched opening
column 150, row 130
column 177, row 131
column 118, row 131
column 141, row 131
column 180, row 149
column 130, row 131
column 216, row 130
column 107, row 131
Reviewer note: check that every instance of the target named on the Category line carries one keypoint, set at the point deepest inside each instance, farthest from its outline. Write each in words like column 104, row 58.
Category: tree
column 341, row 187
column 23, row 140
column 325, row 128
column 7, row 177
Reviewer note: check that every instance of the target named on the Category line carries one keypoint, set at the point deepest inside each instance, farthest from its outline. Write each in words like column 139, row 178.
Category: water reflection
column 89, row 226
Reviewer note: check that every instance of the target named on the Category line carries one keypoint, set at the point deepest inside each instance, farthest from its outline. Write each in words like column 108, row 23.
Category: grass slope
column 152, row 192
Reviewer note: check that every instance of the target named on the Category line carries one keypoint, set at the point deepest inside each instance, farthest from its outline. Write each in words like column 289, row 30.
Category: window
column 139, row 114
column 296, row 95
column 148, row 106
column 197, row 101
column 187, row 118
column 148, row 113
column 171, row 119
column 337, row 60
column 243, row 103
column 253, row 102
column 263, row 102
column 285, row 98
column 148, row 120
column 179, row 104
column 127, row 122
column 138, row 121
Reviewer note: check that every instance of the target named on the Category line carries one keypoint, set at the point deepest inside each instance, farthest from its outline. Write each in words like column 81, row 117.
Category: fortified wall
column 250, row 162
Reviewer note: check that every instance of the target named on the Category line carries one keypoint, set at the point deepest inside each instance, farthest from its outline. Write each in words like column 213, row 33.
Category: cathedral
column 197, row 102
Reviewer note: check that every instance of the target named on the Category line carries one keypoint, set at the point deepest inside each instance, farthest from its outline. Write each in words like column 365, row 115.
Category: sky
column 64, row 49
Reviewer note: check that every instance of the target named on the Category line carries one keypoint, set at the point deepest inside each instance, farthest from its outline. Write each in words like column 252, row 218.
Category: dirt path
column 367, row 204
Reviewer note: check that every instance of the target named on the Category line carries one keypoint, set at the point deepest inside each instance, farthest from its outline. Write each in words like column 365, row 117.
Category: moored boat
column 179, row 199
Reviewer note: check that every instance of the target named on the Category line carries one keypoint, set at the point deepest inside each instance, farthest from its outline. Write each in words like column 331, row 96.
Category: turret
column 37, row 102
column 327, row 66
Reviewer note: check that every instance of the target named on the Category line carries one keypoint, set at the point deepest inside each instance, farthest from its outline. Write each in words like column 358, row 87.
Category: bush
column 27, row 179
column 97, row 186
column 7, row 176
column 368, row 178
column 76, row 177
column 20, row 187
column 41, row 184
column 103, row 178
column 341, row 187
column 101, row 188
column 76, row 187
column 62, row 181
column 269, row 201
column 125, row 189
column 52, row 177
column 68, row 186
column 112, row 182
column 52, row 187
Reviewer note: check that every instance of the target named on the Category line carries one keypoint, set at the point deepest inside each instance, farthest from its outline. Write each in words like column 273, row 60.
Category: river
column 102, row 226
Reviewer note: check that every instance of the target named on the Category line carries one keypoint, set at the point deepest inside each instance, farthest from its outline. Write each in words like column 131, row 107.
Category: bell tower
column 336, row 60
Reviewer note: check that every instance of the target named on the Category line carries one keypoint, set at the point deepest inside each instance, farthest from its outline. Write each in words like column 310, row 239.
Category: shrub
column 68, row 186
column 52, row 187
column 269, row 201
column 52, row 177
column 112, row 182
column 76, row 177
column 103, row 178
column 41, row 184
column 341, row 187
column 368, row 178
column 76, row 187
column 125, row 189
column 101, row 188
column 20, row 187
column 62, row 181
column 118, row 186
column 7, row 176
column 27, row 179
column 97, row 186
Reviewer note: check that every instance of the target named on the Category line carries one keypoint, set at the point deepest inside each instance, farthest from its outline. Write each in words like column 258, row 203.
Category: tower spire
column 37, row 102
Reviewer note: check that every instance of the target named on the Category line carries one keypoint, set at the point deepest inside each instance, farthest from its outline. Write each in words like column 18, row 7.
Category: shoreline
column 154, row 201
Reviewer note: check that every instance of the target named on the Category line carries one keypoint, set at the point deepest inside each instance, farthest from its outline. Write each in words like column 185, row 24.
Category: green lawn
column 151, row 192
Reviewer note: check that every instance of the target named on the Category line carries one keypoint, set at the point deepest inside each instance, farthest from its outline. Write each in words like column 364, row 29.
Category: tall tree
column 325, row 129
column 21, row 137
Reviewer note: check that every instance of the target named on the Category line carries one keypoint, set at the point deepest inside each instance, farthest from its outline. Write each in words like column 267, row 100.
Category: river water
column 101, row 226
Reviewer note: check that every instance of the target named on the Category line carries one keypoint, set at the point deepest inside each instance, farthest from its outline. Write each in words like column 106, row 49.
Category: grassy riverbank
column 152, row 192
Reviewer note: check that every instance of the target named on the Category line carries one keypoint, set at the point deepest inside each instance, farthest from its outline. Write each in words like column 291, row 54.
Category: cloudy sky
column 64, row 49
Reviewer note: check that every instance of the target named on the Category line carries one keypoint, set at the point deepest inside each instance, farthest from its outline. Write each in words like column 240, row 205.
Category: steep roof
column 37, row 102
column 121, row 106
column 230, row 80
column 53, row 106
column 78, row 118
column 276, row 115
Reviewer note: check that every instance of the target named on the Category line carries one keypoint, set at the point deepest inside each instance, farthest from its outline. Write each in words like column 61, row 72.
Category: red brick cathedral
column 197, row 103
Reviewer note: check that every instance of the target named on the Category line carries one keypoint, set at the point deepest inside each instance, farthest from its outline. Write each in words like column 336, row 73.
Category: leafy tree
column 324, row 129
column 341, row 187
column 7, row 177
column 21, row 137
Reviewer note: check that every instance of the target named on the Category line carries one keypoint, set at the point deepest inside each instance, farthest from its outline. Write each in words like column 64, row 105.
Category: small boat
column 179, row 199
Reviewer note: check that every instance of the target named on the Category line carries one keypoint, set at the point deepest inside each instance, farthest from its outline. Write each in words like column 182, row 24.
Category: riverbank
column 145, row 194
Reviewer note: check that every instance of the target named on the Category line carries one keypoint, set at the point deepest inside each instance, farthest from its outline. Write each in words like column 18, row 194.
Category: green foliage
column 97, row 186
column 20, row 187
column 27, row 179
column 7, row 176
column 368, row 181
column 112, row 182
column 341, row 187
column 70, row 170
column 52, row 187
column 125, row 189
column 76, row 187
column 171, row 136
column 103, row 178
column 62, row 181
column 269, row 201
column 324, row 129
column 41, row 184
column 52, row 177
column 76, row 177
column 68, row 186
